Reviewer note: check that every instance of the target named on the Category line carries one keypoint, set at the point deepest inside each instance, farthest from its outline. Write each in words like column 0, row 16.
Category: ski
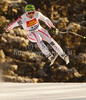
column 53, row 60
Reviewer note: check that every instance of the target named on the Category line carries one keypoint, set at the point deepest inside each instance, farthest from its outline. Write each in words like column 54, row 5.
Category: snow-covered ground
column 42, row 91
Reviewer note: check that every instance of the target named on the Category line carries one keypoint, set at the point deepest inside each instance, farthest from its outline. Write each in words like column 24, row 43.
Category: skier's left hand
column 6, row 32
column 55, row 30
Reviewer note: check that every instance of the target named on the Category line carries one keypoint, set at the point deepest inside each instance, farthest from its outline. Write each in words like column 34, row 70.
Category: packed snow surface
column 42, row 91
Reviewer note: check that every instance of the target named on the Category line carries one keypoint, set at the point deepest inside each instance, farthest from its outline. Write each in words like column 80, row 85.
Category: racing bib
column 31, row 23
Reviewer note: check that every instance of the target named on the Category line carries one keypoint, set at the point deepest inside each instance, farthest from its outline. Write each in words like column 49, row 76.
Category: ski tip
column 53, row 60
column 51, row 64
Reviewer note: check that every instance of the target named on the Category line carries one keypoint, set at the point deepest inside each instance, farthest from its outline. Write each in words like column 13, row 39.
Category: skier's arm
column 48, row 22
column 14, row 24
column 45, row 19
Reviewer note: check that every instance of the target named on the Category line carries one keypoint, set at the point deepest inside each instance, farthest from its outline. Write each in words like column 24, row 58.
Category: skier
column 36, row 33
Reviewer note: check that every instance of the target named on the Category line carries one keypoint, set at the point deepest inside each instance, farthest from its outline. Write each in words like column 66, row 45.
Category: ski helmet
column 29, row 8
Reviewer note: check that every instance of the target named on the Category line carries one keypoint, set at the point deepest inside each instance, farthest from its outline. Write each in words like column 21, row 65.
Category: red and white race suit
column 36, row 33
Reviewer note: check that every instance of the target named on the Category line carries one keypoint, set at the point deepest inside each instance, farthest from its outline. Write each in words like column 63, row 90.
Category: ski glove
column 55, row 30
column 6, row 32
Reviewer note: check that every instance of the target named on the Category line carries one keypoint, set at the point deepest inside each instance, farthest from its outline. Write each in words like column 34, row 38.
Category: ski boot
column 65, row 57
column 52, row 58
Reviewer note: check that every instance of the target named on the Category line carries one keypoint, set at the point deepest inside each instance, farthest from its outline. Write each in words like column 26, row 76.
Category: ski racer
column 36, row 33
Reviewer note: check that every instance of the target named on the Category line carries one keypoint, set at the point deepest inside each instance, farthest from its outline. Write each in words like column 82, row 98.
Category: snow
column 42, row 91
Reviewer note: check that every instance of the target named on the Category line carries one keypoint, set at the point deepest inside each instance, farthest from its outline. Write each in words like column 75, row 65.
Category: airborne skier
column 36, row 33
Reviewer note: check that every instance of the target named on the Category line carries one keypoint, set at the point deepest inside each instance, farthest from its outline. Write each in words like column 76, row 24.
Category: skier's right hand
column 6, row 32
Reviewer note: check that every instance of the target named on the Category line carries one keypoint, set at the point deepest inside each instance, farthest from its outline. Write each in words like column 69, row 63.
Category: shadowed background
column 22, row 61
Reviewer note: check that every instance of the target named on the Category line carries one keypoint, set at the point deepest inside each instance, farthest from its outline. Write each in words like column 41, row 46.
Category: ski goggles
column 29, row 13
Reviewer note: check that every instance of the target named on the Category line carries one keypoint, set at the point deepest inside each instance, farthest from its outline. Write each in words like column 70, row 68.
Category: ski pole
column 84, row 37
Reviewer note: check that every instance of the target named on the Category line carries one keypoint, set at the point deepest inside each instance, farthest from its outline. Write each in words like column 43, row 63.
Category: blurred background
column 22, row 61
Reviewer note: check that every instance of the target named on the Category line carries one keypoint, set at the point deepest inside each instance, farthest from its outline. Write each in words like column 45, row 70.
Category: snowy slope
column 42, row 91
